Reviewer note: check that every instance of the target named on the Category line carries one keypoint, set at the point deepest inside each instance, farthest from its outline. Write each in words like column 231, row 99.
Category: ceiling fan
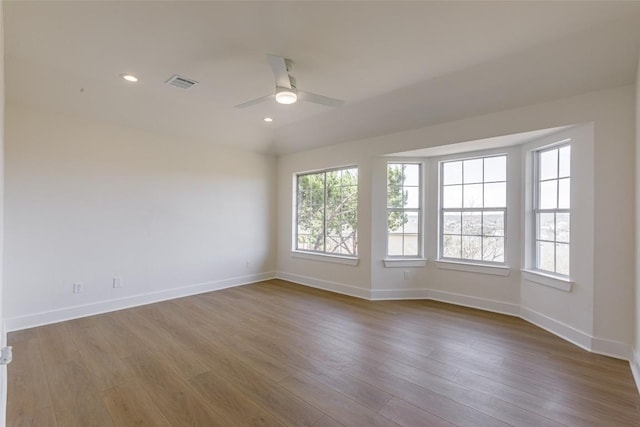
column 286, row 89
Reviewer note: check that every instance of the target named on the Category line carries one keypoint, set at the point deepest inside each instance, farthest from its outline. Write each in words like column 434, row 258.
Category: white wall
column 635, row 365
column 609, row 305
column 3, row 335
column 87, row 201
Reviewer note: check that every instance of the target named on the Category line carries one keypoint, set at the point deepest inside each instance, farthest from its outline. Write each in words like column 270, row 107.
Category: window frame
column 320, row 255
column 419, row 210
column 536, row 210
column 442, row 210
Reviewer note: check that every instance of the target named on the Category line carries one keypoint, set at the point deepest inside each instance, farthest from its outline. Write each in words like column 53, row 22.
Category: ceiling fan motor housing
column 284, row 95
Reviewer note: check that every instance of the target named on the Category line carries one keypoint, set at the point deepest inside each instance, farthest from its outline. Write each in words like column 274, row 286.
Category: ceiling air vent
column 181, row 82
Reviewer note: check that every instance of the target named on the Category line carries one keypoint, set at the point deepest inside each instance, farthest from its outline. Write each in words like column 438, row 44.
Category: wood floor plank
column 76, row 400
column 28, row 381
column 483, row 402
column 327, row 421
column 259, row 388
column 230, row 403
column 177, row 401
column 106, row 367
column 277, row 353
column 42, row 417
column 408, row 415
column 427, row 400
column 130, row 405
column 339, row 406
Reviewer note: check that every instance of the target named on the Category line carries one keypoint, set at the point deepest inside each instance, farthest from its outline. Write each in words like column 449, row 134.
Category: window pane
column 564, row 193
column 563, row 227
column 394, row 196
column 493, row 223
column 350, row 176
column 472, row 247
column 452, row 173
column 410, row 245
column 333, row 244
column 546, row 226
column 396, row 220
column 394, row 244
column 412, row 197
column 545, row 255
column 472, row 171
column 452, row 223
column 495, row 169
column 472, row 196
column 493, row 249
column 452, row 196
column 495, row 195
column 411, row 226
column 565, row 161
column 472, row 223
column 326, row 211
column 549, row 194
column 451, row 247
column 412, row 175
column 562, row 258
column 394, row 174
column 548, row 164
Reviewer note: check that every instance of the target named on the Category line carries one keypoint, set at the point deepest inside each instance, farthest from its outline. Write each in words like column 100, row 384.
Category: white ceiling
column 398, row 65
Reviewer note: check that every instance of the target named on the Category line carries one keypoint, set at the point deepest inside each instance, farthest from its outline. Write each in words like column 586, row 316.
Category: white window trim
column 550, row 280
column 318, row 256
column 471, row 267
column 396, row 260
column 312, row 255
column 458, row 263
column 404, row 262
column 544, row 275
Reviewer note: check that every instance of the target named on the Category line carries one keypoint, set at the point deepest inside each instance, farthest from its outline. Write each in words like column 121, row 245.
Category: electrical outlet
column 117, row 282
column 77, row 288
column 406, row 275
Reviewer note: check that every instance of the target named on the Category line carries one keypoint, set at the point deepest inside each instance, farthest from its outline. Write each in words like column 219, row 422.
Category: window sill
column 495, row 270
column 337, row 259
column 404, row 262
column 548, row 280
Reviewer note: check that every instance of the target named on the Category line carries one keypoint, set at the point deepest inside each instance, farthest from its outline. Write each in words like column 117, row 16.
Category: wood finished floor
column 277, row 353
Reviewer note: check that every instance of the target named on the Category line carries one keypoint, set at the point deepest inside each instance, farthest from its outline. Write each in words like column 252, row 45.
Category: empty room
column 319, row 213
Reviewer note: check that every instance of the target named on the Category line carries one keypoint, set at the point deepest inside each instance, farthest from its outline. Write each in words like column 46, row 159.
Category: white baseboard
column 398, row 294
column 74, row 312
column 564, row 331
column 635, row 368
column 475, row 302
column 325, row 285
column 611, row 348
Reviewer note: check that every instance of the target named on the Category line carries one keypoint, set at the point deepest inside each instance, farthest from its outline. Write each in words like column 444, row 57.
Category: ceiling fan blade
column 319, row 99
column 254, row 101
column 280, row 71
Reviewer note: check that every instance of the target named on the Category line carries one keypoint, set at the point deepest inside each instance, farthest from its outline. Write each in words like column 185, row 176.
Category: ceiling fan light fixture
column 286, row 96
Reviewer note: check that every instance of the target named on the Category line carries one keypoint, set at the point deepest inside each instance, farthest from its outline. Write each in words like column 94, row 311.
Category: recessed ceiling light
column 129, row 77
column 268, row 119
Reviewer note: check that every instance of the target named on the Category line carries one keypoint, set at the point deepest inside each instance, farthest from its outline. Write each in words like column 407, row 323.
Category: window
column 473, row 206
column 327, row 212
column 552, row 217
column 403, row 210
